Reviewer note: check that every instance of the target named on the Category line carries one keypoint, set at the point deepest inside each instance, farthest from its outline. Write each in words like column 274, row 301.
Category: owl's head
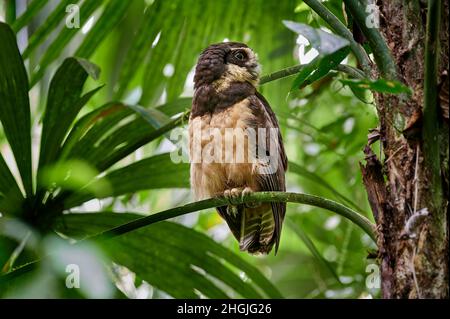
column 224, row 63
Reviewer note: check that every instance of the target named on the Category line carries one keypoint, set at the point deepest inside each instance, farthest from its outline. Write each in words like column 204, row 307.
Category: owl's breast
column 221, row 150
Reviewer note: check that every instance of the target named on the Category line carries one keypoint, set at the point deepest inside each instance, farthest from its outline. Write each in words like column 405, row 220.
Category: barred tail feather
column 257, row 232
column 255, row 229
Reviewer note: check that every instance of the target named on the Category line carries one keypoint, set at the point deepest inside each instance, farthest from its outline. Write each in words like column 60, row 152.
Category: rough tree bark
column 409, row 202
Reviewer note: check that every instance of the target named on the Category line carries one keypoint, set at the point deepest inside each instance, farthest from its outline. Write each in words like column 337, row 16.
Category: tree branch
column 430, row 109
column 283, row 73
column 341, row 30
column 264, row 197
column 379, row 47
column 354, row 72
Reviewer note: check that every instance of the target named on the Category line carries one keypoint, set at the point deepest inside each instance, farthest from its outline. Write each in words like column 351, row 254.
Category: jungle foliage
column 86, row 116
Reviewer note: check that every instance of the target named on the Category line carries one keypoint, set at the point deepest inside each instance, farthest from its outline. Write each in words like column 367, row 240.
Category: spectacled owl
column 226, row 101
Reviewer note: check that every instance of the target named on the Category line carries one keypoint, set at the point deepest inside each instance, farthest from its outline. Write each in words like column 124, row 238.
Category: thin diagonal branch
column 430, row 110
column 341, row 30
column 265, row 197
column 380, row 50
column 354, row 72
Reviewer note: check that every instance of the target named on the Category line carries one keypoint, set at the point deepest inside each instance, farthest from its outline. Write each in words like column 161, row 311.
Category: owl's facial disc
column 223, row 64
column 242, row 65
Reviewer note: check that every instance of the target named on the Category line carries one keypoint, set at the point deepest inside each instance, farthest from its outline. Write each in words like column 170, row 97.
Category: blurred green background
column 146, row 51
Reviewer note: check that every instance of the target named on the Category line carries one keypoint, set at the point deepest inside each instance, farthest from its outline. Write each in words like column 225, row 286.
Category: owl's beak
column 254, row 70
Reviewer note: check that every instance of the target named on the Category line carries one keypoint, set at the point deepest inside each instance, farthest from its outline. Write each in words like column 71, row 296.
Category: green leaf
column 319, row 67
column 114, row 132
column 9, row 9
column 10, row 193
column 325, row 43
column 109, row 130
column 153, row 116
column 124, row 143
column 151, row 173
column 312, row 248
column 170, row 28
column 304, row 73
column 32, row 9
column 178, row 106
column 328, row 63
column 50, row 24
column 8, row 184
column 74, row 175
column 332, row 50
column 140, row 45
column 113, row 13
column 158, row 171
column 64, row 37
column 297, row 169
column 15, row 105
column 186, row 41
column 64, row 97
column 361, row 94
column 164, row 256
column 91, row 127
column 380, row 85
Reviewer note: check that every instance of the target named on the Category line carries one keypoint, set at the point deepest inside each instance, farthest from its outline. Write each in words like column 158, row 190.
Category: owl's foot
column 247, row 191
column 236, row 195
column 233, row 198
column 233, row 195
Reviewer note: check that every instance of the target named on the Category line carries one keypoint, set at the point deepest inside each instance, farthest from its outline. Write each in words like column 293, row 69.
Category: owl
column 235, row 145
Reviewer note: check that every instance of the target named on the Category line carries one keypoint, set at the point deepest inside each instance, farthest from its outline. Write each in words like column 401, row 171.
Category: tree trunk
column 410, row 201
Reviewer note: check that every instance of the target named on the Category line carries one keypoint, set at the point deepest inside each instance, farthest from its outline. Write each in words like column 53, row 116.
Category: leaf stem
column 311, row 200
column 341, row 30
column 281, row 74
column 10, row 11
column 380, row 50
column 354, row 72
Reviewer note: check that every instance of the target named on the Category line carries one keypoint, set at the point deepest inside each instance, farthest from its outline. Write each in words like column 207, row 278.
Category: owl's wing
column 267, row 179
column 274, row 122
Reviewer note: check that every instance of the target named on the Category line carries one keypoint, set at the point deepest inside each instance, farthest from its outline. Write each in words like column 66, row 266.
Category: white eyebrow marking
column 252, row 55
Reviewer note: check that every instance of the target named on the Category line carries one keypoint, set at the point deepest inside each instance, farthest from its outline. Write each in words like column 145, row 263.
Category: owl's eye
column 240, row 56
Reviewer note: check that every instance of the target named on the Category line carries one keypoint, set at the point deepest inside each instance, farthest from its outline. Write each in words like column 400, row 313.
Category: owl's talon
column 247, row 191
column 232, row 210
column 234, row 196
